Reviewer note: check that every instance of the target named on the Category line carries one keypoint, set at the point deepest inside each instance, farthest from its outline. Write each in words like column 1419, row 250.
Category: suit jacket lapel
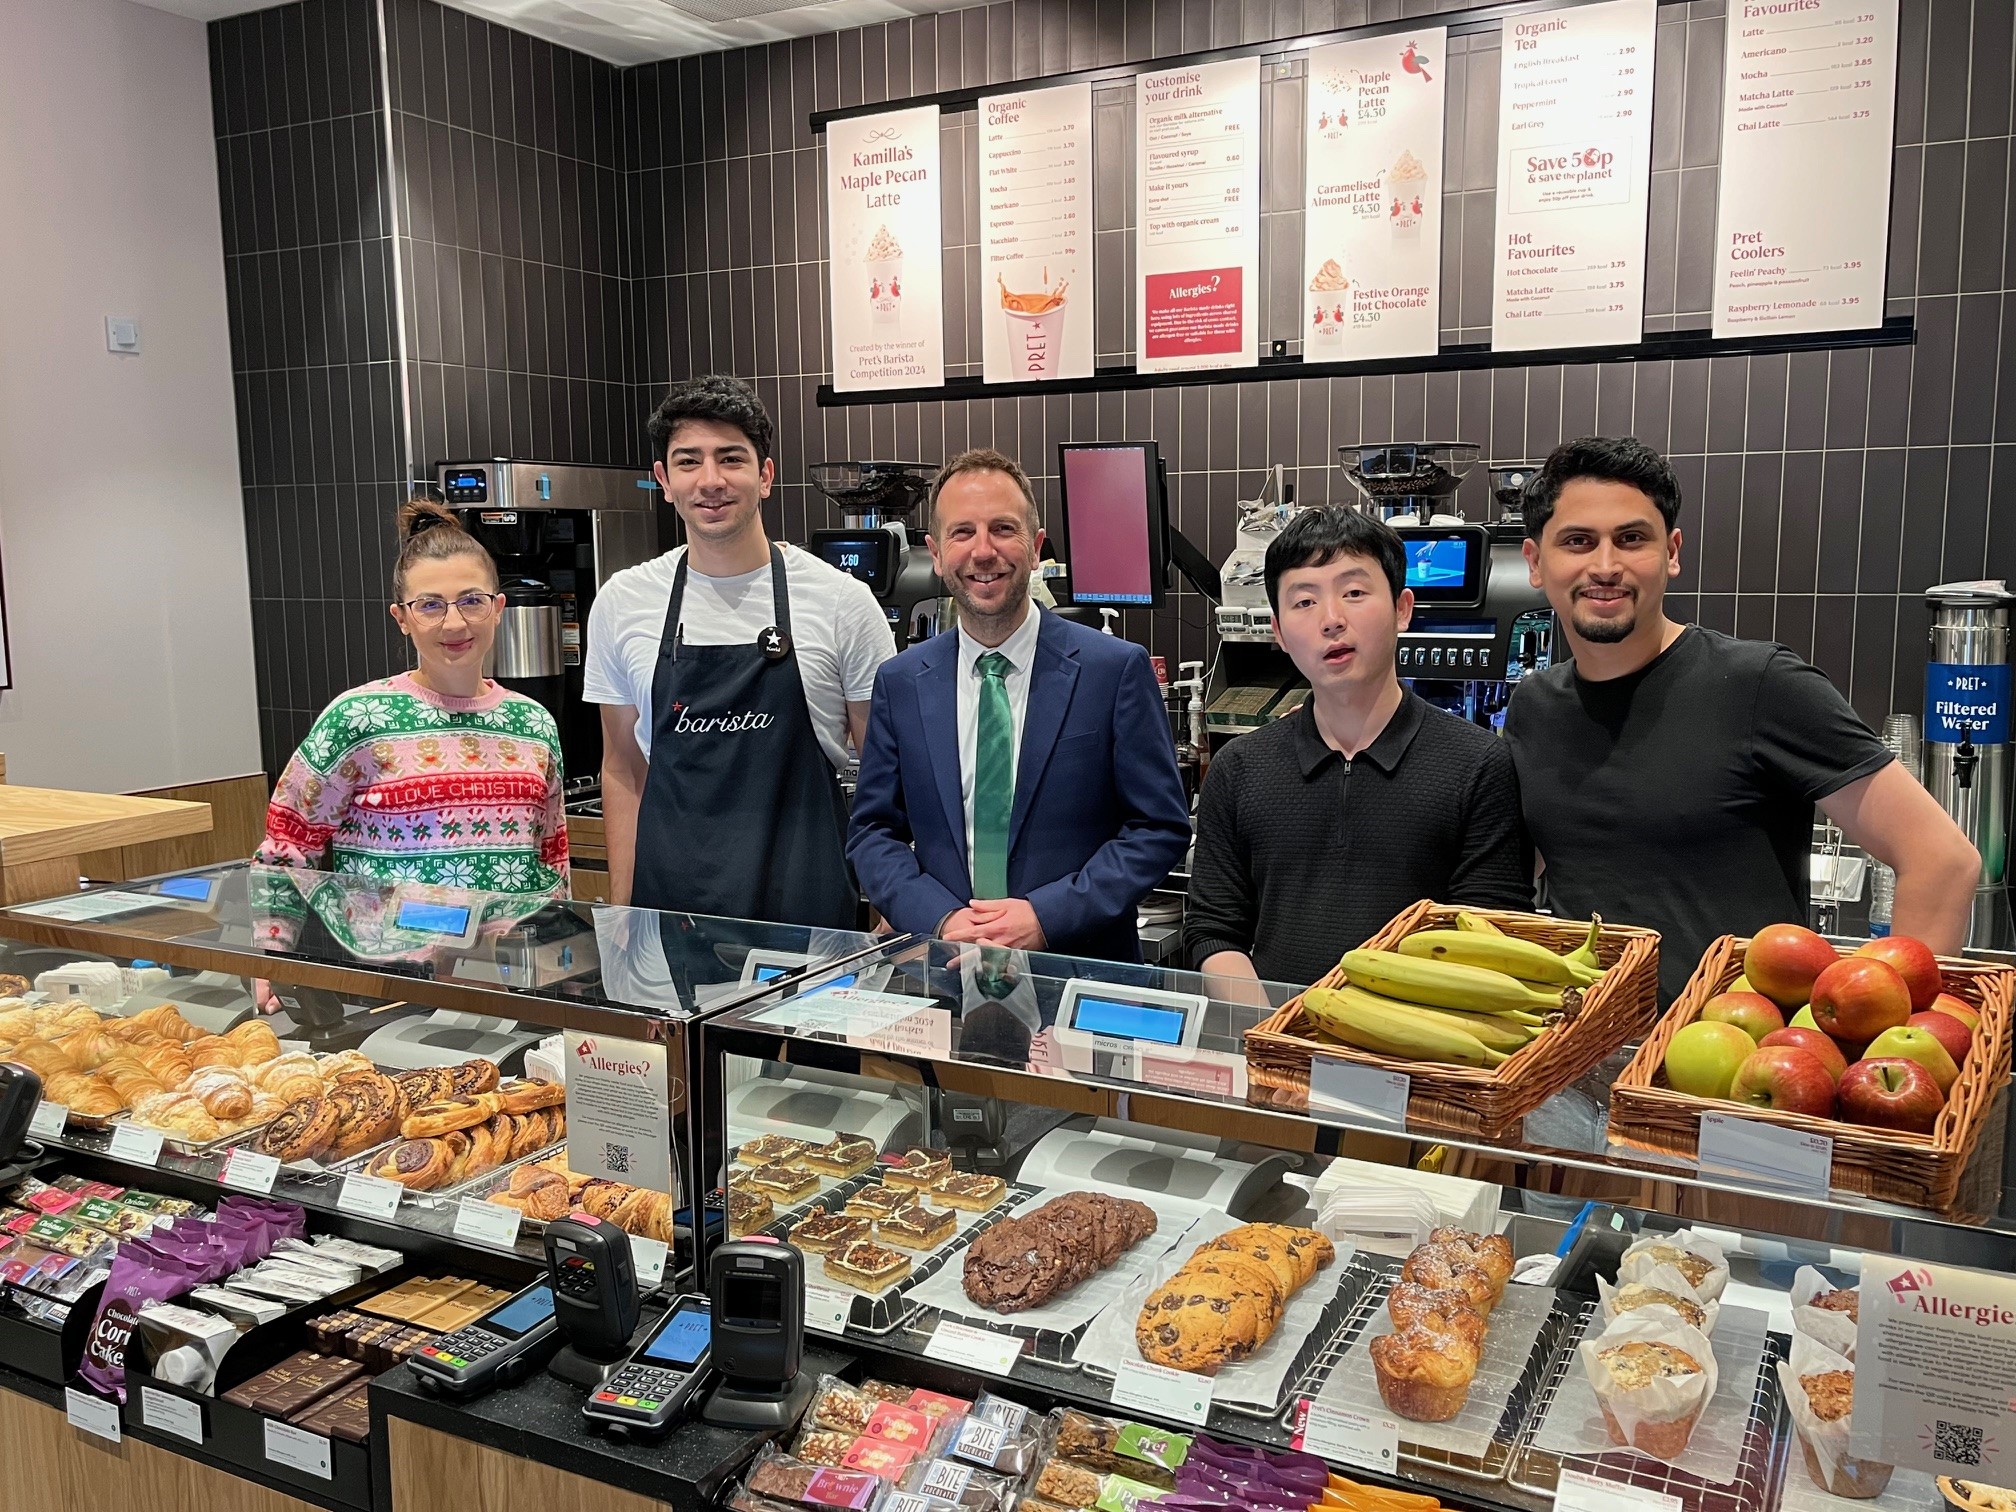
column 1050, row 683
column 938, row 706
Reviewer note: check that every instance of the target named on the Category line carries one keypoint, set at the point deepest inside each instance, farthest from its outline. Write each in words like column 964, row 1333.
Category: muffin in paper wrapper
column 1835, row 1330
column 1657, row 1418
column 1661, row 1278
column 1825, row 1444
column 1642, row 1259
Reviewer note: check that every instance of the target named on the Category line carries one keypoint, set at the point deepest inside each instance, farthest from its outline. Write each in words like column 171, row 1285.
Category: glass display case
column 1100, row 1122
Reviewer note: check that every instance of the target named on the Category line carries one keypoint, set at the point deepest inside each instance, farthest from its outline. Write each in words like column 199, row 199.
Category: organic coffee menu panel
column 1036, row 234
column 1808, row 99
column 1197, row 216
column 1372, row 257
column 1575, row 154
column 882, row 182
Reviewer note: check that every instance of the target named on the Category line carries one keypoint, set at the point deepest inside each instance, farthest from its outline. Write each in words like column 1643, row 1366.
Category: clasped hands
column 1007, row 922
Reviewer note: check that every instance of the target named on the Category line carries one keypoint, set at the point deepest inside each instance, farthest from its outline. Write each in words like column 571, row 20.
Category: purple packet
column 139, row 1275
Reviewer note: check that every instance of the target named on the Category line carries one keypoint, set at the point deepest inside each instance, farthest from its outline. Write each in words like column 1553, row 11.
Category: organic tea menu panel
column 1036, row 234
column 1574, row 160
column 1809, row 93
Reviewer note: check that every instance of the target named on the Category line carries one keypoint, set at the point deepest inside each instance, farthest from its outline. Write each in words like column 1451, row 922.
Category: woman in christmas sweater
column 435, row 778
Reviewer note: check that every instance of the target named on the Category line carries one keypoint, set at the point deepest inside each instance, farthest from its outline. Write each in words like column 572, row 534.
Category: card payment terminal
column 651, row 1390
column 508, row 1342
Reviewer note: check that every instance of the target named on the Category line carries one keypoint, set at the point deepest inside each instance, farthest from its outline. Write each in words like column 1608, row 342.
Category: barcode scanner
column 757, row 1288
column 595, row 1300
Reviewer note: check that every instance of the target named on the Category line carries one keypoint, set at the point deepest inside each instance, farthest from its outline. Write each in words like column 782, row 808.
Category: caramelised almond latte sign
column 885, row 250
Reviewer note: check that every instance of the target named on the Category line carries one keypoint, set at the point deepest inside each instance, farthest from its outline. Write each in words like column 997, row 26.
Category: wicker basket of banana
column 1489, row 1013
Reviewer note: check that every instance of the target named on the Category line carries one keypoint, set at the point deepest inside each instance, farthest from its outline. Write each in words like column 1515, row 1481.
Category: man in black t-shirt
column 1669, row 773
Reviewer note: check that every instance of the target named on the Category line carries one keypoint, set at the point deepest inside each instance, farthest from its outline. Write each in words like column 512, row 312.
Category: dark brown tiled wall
column 1824, row 490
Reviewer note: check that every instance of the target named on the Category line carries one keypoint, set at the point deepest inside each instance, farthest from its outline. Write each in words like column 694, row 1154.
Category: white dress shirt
column 1020, row 649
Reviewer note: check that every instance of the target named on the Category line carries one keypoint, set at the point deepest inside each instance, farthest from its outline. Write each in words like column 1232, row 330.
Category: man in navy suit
column 1018, row 785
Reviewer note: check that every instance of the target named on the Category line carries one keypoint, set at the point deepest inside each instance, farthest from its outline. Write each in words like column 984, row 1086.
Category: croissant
column 167, row 1061
column 224, row 1094
column 255, row 1042
column 265, row 1108
column 56, row 1020
column 166, row 1020
column 89, row 1048
column 83, row 1092
column 179, row 1113
column 17, row 1024
column 133, row 1032
column 344, row 1063
column 646, row 1214
column 130, row 1078
column 290, row 1077
column 214, row 1050
column 43, row 1058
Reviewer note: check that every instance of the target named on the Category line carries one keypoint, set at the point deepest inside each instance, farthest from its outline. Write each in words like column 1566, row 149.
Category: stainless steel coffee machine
column 557, row 531
column 875, row 500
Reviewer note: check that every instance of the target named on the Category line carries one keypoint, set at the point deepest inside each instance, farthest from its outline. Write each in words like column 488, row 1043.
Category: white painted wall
column 122, row 536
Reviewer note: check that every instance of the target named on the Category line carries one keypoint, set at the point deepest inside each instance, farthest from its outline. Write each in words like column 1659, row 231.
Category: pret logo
column 685, row 722
column 1907, row 1283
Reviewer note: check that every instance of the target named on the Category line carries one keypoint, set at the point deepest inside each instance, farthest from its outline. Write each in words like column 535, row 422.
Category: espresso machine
column 874, row 543
column 558, row 531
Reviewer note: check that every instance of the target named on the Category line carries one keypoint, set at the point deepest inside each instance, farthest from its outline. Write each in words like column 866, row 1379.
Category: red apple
column 1916, row 1045
column 1783, row 959
column 1949, row 1031
column 1785, row 1079
column 1914, row 962
column 1752, row 1012
column 1857, row 999
column 1815, row 1044
column 1891, row 1094
column 1958, row 1008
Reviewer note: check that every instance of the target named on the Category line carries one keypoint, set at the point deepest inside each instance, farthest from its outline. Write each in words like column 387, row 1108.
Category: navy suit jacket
column 1099, row 817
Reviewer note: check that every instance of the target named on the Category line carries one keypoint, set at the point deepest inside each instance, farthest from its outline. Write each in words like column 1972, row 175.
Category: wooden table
column 43, row 832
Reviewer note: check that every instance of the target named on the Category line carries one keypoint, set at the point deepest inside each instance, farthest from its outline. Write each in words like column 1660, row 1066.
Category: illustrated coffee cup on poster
column 1406, row 182
column 1035, row 325
column 1328, row 291
column 885, row 278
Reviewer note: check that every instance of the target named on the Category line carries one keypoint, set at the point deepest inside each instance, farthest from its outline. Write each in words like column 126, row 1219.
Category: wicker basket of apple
column 1895, row 1054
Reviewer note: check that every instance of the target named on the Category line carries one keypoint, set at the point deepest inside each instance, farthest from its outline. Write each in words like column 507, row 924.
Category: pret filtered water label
column 1967, row 698
column 1574, row 167
column 1803, row 213
column 1197, row 216
column 1372, row 238
column 885, row 245
column 1036, row 234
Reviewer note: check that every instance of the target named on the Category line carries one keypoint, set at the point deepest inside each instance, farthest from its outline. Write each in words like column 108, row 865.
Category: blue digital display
column 433, row 918
column 196, row 889
column 682, row 1339
column 1162, row 1026
column 772, row 973
column 1437, row 564
column 521, row 1315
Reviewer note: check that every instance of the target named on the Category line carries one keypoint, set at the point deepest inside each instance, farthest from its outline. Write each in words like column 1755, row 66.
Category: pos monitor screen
column 1112, row 522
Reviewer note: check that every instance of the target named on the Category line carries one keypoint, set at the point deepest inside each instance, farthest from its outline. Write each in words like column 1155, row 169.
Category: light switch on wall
column 122, row 333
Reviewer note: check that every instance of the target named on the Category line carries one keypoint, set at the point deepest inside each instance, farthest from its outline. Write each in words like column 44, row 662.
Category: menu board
column 1808, row 99
column 1197, row 216
column 882, row 185
column 1036, row 234
column 1372, row 253
column 1575, row 155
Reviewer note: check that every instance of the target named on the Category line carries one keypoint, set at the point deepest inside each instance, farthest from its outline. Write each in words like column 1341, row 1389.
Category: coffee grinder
column 874, row 545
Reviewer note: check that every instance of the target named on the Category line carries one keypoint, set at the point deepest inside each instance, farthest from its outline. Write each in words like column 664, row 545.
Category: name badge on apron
column 775, row 644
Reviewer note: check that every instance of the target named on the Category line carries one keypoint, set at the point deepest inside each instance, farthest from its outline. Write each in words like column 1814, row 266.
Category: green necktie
column 993, row 778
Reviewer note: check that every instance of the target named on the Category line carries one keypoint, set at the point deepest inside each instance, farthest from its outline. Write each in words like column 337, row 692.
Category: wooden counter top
column 44, row 830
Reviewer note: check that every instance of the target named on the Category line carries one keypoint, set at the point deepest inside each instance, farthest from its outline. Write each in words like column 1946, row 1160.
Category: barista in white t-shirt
column 731, row 691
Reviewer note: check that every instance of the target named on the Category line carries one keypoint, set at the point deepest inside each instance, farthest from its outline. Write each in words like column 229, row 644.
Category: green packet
column 1119, row 1494
column 1153, row 1446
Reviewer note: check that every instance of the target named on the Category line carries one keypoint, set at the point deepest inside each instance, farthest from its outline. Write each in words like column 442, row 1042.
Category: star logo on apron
column 775, row 643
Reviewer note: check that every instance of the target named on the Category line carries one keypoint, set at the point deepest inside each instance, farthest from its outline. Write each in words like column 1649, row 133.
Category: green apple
column 1920, row 1045
column 1702, row 1059
column 1803, row 1019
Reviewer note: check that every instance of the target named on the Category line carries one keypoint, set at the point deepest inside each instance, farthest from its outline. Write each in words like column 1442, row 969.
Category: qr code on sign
column 1956, row 1443
column 617, row 1158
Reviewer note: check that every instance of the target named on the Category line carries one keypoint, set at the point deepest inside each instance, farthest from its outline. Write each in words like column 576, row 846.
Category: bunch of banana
column 1477, row 942
column 1411, row 1031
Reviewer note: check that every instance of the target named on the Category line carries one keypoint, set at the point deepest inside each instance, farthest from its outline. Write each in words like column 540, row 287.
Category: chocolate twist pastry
column 472, row 1077
column 447, row 1116
column 369, row 1109
column 419, row 1165
column 303, row 1130
column 529, row 1096
column 419, row 1088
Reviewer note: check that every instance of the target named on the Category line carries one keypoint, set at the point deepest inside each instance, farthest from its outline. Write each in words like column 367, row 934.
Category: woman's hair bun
column 420, row 514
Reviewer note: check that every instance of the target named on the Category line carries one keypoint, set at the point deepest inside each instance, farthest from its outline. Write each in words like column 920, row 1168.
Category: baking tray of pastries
column 454, row 1146
column 543, row 1187
column 1526, row 1332
column 1741, row 1423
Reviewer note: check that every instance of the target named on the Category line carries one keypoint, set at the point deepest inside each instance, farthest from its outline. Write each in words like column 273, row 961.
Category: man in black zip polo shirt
column 1316, row 830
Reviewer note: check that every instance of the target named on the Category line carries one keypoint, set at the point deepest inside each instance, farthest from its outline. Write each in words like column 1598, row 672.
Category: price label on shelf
column 648, row 1255
column 1763, row 1154
column 827, row 1308
column 483, row 1222
column 249, row 1171
column 1578, row 1492
column 1360, row 1092
column 975, row 1348
column 135, row 1145
column 90, row 1414
column 48, row 1120
column 171, row 1414
column 364, row 1196
column 1162, row 1392
column 298, row 1450
column 1350, row 1438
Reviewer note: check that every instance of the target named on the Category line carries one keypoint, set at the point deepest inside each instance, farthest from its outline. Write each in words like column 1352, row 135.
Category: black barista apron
column 742, row 816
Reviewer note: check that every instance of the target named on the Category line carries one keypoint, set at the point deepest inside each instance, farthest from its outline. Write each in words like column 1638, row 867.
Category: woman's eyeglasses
column 473, row 607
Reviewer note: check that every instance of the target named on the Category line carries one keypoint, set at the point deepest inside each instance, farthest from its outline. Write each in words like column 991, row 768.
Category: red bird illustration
column 1416, row 62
